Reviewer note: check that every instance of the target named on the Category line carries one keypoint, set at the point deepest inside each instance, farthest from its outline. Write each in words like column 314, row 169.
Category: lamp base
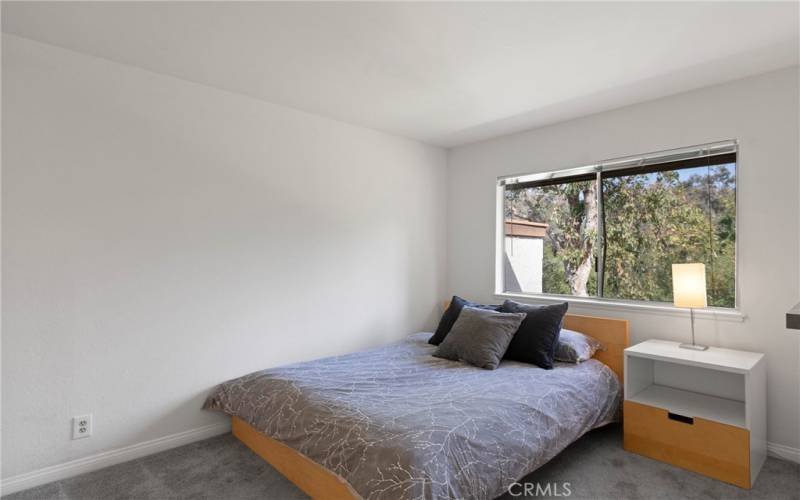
column 694, row 347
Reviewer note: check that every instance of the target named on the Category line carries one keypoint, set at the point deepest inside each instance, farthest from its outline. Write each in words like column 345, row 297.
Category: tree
column 652, row 221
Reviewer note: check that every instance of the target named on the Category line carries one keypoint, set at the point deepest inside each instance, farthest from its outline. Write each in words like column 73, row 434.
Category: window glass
column 615, row 234
column 551, row 238
column 656, row 219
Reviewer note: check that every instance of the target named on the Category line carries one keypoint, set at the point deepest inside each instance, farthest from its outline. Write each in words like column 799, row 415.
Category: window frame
column 647, row 163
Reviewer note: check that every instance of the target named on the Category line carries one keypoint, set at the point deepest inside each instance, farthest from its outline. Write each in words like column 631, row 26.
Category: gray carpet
column 596, row 467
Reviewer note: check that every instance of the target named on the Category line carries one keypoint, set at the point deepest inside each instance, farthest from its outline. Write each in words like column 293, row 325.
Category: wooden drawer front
column 717, row 450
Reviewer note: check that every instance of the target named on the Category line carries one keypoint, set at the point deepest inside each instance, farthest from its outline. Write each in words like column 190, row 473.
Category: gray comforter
column 397, row 423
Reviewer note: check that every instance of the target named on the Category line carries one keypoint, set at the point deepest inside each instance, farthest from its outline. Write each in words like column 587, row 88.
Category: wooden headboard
column 612, row 333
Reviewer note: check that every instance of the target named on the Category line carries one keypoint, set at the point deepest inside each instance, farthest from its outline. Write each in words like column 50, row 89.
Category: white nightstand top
column 715, row 357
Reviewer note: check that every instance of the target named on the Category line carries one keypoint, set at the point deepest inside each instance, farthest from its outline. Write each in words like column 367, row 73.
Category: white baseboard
column 107, row 458
column 783, row 452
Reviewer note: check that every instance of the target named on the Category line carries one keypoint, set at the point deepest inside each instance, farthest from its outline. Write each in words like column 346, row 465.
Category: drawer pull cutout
column 680, row 418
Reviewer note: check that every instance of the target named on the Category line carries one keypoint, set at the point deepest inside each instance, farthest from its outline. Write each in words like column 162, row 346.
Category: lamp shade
column 689, row 285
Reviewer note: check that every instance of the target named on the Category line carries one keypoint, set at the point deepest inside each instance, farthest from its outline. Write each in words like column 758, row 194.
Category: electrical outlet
column 82, row 426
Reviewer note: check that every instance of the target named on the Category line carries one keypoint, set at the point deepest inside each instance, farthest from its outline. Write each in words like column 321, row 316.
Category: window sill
column 712, row 313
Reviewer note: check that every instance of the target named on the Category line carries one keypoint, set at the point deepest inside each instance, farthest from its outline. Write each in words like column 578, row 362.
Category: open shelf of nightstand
column 694, row 404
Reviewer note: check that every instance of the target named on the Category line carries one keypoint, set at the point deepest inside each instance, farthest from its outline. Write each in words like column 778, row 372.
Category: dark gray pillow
column 451, row 315
column 575, row 347
column 537, row 337
column 480, row 337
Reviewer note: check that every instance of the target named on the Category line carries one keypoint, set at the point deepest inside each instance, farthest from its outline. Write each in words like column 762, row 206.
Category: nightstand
column 704, row 411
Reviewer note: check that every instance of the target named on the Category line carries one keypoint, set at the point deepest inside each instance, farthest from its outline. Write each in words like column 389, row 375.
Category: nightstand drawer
column 717, row 450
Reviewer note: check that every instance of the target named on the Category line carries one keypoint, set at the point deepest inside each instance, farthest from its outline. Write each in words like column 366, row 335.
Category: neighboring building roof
column 520, row 228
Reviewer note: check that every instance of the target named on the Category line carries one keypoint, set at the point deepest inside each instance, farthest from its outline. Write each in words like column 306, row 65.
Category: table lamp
column 689, row 290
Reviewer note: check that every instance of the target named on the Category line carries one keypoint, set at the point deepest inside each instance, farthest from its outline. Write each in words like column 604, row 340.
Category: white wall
column 160, row 237
column 524, row 264
column 762, row 113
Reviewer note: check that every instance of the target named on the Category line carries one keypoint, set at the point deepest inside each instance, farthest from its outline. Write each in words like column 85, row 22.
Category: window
column 613, row 230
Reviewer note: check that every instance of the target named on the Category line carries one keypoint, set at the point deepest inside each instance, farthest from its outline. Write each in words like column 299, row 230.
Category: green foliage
column 651, row 220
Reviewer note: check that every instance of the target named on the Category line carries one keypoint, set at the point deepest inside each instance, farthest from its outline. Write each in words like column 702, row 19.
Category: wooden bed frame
column 320, row 483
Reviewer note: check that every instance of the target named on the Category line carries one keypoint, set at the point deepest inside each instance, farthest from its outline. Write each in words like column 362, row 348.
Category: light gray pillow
column 575, row 347
column 480, row 337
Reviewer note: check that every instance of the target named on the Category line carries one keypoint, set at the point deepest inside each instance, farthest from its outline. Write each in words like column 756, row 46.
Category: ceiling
column 442, row 73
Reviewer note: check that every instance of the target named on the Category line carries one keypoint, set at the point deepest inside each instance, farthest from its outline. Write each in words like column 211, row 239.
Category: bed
column 395, row 422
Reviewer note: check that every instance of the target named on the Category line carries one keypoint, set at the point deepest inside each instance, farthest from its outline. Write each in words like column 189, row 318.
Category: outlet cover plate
column 81, row 426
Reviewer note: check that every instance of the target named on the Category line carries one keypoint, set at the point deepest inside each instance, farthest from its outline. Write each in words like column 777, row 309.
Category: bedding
column 398, row 423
